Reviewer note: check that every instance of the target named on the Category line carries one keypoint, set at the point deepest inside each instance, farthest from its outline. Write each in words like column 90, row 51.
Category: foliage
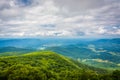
column 46, row 65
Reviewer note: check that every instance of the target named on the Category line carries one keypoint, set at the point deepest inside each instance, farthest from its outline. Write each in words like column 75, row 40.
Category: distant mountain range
column 103, row 53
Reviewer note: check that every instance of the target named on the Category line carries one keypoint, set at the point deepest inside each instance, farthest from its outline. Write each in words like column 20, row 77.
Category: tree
column 116, row 75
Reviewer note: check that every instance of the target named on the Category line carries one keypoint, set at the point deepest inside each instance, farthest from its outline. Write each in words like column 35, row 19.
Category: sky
column 60, row 18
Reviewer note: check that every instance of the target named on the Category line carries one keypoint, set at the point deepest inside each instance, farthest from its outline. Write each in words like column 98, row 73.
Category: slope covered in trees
column 101, row 53
column 46, row 65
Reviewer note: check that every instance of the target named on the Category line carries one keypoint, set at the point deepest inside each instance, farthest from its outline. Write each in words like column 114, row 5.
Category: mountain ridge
column 104, row 52
column 47, row 65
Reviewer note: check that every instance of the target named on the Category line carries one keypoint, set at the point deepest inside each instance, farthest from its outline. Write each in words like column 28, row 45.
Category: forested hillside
column 101, row 53
column 47, row 65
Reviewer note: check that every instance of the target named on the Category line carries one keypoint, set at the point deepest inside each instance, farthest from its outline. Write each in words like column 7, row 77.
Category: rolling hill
column 47, row 65
column 102, row 53
column 10, row 51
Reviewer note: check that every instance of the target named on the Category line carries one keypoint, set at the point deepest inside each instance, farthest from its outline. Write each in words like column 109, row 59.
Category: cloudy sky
column 59, row 18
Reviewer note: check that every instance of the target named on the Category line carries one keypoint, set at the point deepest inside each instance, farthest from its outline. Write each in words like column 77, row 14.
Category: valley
column 102, row 53
column 59, row 59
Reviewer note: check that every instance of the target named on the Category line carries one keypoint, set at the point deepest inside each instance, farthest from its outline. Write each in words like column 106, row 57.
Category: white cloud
column 67, row 17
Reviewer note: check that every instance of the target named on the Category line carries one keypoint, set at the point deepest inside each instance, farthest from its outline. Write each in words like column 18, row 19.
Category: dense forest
column 47, row 65
column 101, row 53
